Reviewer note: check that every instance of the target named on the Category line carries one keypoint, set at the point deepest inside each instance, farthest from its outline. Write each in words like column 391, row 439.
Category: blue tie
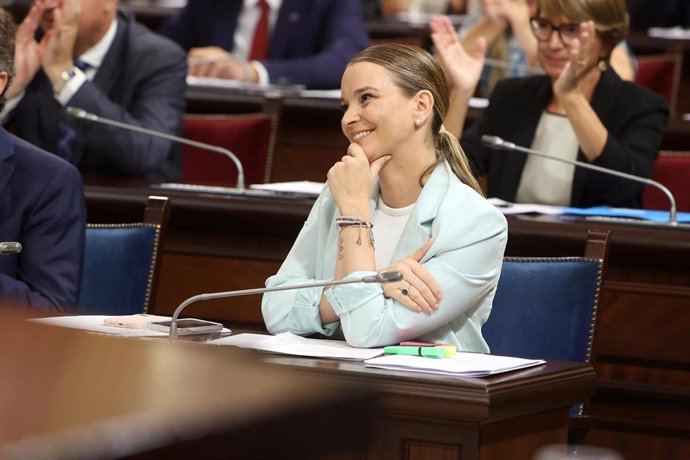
column 67, row 134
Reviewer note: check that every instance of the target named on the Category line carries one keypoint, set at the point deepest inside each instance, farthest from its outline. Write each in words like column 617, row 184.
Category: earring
column 418, row 122
column 603, row 64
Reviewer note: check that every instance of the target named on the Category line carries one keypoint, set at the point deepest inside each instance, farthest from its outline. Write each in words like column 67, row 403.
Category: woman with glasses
column 579, row 110
column 512, row 47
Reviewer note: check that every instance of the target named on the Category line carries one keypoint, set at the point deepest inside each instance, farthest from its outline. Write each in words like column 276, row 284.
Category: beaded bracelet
column 347, row 221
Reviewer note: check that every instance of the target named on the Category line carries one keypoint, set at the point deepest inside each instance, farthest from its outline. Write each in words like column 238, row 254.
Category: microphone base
column 217, row 190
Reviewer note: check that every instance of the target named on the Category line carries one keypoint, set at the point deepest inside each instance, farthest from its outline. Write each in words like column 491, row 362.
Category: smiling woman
column 401, row 199
column 580, row 110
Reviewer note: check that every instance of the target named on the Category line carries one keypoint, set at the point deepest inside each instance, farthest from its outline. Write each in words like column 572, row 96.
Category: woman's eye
column 343, row 107
column 365, row 97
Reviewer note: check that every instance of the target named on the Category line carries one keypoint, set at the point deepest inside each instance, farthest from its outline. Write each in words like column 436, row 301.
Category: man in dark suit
column 309, row 41
column 41, row 207
column 92, row 57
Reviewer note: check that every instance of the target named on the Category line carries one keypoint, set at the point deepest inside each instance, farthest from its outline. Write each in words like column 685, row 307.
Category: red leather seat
column 661, row 74
column 672, row 169
column 251, row 137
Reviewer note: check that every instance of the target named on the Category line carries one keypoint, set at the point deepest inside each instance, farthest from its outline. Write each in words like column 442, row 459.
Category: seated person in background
column 402, row 199
column 301, row 42
column 580, row 109
column 129, row 74
column 41, row 207
column 512, row 47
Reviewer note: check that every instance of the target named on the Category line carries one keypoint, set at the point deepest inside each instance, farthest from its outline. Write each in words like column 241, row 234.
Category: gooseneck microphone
column 498, row 143
column 82, row 114
column 10, row 247
column 383, row 277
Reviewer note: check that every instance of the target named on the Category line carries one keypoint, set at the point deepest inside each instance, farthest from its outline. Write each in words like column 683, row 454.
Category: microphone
column 383, row 277
column 82, row 114
column 10, row 247
column 497, row 143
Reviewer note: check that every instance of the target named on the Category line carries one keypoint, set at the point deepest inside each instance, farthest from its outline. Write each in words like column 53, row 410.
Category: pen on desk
column 425, row 352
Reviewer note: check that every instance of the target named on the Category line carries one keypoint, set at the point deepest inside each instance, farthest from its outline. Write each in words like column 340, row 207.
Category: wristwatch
column 65, row 77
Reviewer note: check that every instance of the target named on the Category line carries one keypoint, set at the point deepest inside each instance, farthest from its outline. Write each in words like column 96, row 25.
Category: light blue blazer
column 465, row 259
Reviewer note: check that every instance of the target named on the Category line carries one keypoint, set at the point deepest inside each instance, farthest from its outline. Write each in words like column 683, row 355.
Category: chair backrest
column 122, row 263
column 661, row 73
column 251, row 137
column 546, row 307
column 672, row 169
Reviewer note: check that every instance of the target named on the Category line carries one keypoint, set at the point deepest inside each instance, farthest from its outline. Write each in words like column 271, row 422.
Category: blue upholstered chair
column 122, row 262
column 545, row 307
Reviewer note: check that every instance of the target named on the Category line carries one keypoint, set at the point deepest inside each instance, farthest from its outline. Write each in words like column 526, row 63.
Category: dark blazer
column 310, row 45
column 141, row 81
column 634, row 117
column 42, row 207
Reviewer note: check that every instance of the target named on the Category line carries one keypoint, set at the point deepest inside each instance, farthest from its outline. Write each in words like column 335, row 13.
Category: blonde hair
column 610, row 17
column 415, row 70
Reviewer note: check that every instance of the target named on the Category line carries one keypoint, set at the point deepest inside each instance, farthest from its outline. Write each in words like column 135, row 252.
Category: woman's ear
column 424, row 104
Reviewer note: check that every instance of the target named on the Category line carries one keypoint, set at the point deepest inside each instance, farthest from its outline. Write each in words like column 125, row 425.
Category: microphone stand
column 498, row 143
column 84, row 115
column 383, row 277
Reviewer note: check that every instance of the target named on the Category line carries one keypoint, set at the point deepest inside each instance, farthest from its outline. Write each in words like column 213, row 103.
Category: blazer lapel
column 289, row 18
column 110, row 70
column 418, row 228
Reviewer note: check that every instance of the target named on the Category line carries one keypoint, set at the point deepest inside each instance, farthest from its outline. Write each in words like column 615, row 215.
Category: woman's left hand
column 581, row 60
column 418, row 291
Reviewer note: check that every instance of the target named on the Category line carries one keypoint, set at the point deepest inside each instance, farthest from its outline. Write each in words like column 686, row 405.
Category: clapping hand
column 463, row 68
column 581, row 60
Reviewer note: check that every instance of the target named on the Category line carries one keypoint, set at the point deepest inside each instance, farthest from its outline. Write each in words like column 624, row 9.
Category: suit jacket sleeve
column 157, row 104
column 50, row 265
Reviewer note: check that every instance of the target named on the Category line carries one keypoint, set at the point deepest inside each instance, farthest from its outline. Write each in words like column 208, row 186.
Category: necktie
column 66, row 133
column 260, row 42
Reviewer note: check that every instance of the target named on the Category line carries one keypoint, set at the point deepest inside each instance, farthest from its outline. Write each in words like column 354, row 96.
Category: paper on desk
column 94, row 323
column 304, row 187
column 291, row 344
column 461, row 364
column 508, row 208
column 675, row 33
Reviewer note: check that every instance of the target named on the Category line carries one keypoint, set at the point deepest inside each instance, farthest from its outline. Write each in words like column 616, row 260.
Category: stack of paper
column 291, row 344
column 461, row 364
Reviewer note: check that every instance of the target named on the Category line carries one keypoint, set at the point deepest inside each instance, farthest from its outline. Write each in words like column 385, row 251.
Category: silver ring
column 405, row 290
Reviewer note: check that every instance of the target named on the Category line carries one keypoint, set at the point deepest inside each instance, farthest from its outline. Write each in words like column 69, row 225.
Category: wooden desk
column 72, row 394
column 641, row 351
column 424, row 416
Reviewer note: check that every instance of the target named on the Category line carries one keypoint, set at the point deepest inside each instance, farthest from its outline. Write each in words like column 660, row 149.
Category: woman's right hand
column 352, row 179
column 463, row 68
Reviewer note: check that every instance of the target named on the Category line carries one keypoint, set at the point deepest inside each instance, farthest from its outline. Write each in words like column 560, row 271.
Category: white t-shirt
column 546, row 181
column 389, row 224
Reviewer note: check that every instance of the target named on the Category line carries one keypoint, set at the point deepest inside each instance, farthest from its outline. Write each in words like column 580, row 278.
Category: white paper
column 508, row 208
column 304, row 187
column 461, row 364
column 675, row 33
column 94, row 323
column 291, row 344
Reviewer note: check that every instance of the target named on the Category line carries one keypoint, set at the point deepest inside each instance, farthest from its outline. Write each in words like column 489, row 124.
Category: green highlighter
column 425, row 352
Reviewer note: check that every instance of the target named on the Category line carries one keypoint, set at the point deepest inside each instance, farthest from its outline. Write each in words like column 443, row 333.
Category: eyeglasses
column 542, row 29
